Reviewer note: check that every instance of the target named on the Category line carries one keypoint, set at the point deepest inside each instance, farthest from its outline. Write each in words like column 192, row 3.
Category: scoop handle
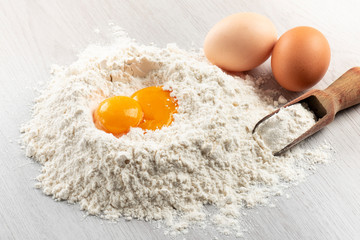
column 346, row 89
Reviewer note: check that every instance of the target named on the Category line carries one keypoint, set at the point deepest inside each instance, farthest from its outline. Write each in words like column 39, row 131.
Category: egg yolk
column 158, row 107
column 117, row 115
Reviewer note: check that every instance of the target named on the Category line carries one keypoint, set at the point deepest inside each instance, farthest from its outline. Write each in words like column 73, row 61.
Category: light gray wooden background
column 36, row 34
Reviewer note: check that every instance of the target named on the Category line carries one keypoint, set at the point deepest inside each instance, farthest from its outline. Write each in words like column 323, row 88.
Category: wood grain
column 35, row 34
column 346, row 90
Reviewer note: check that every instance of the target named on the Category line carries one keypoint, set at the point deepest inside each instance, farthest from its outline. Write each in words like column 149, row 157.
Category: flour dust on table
column 207, row 156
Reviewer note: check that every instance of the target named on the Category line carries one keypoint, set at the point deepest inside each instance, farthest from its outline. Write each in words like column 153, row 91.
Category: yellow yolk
column 158, row 107
column 117, row 114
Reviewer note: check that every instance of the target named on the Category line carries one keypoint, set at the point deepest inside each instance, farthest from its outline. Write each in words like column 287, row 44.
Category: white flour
column 207, row 155
column 285, row 126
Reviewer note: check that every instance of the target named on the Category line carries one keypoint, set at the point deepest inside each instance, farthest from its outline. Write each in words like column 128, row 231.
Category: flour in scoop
column 207, row 156
column 285, row 126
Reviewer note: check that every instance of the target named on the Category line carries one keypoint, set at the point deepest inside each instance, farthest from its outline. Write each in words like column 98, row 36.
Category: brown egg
column 300, row 58
column 240, row 42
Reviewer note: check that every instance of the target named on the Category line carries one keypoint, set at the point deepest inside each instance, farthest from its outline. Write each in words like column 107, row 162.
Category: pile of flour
column 206, row 156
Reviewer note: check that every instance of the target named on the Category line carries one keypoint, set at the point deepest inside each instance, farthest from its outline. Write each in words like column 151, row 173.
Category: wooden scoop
column 341, row 94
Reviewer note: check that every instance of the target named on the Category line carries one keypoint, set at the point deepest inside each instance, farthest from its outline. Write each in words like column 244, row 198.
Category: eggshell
column 240, row 42
column 300, row 58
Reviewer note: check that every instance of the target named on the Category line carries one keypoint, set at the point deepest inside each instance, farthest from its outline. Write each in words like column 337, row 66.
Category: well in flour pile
column 206, row 156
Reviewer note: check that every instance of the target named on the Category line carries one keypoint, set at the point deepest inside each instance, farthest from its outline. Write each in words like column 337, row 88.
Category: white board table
column 35, row 34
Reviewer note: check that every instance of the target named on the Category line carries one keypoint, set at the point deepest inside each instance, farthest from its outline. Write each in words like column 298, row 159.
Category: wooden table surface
column 35, row 34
